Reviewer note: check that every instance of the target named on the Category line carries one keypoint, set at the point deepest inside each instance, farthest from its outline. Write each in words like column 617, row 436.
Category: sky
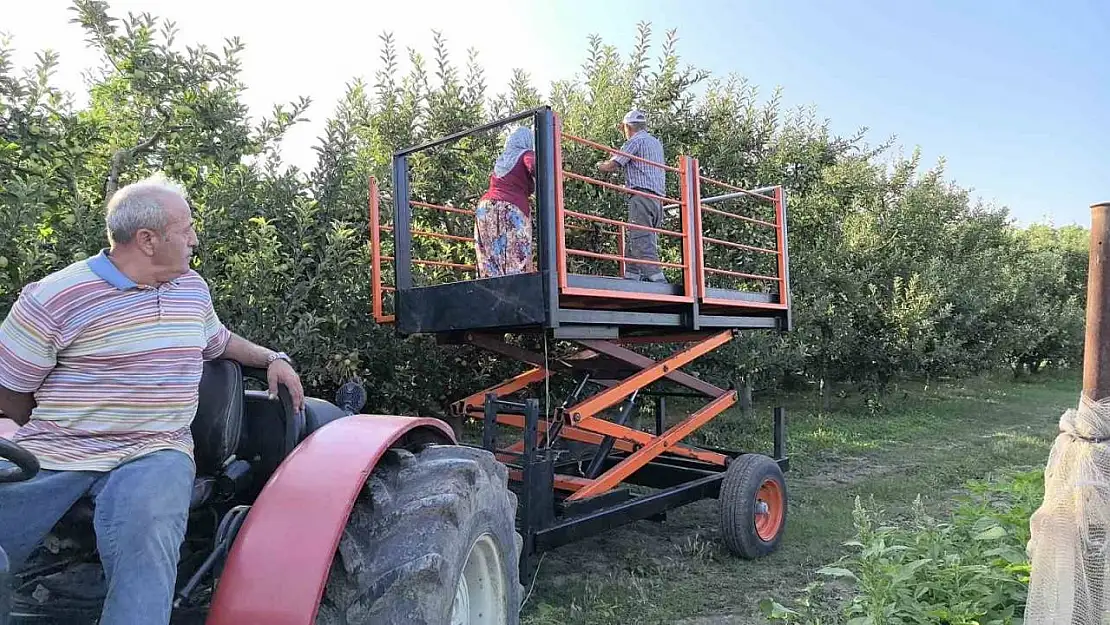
column 1013, row 94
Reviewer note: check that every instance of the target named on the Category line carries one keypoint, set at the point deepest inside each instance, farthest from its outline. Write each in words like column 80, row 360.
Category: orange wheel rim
column 769, row 508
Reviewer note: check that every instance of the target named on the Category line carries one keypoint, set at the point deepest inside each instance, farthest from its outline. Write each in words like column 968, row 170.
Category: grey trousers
column 643, row 211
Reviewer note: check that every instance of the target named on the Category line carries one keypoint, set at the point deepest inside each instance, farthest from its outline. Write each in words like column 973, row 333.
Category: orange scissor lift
column 577, row 458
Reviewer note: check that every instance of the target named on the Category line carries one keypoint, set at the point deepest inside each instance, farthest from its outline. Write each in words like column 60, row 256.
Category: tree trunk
column 745, row 392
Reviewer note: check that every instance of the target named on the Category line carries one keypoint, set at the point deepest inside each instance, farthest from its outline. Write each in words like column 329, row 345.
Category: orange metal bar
column 658, row 445
column 710, row 209
column 688, row 257
column 610, row 150
column 627, row 439
column 615, row 187
column 437, row 263
column 614, row 222
column 569, row 483
column 699, row 232
column 643, row 438
column 613, row 395
column 648, row 297
column 434, row 235
column 718, row 301
column 622, row 265
column 560, row 216
column 586, row 229
column 636, row 359
column 518, row 446
column 739, row 246
column 389, row 289
column 570, row 432
column 512, row 385
column 733, row 187
column 739, row 274
column 780, row 218
column 621, row 259
column 375, row 251
column 449, row 209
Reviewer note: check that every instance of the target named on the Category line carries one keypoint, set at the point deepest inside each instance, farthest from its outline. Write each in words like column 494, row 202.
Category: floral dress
column 503, row 221
column 503, row 238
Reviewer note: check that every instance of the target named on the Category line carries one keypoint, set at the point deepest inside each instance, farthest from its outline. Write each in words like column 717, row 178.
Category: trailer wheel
column 753, row 506
column 431, row 540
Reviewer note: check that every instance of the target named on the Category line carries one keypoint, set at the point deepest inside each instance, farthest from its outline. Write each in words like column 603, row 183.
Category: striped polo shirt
column 115, row 366
column 640, row 175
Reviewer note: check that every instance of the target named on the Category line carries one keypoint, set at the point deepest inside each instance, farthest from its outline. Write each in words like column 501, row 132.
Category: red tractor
column 354, row 519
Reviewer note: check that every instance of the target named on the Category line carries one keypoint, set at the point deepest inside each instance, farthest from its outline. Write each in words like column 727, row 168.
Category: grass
column 927, row 441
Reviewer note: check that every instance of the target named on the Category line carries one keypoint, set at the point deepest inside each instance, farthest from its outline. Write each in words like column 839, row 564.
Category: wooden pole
column 1096, row 349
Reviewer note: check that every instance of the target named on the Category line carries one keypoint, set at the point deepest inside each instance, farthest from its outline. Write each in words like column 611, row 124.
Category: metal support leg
column 660, row 414
column 606, row 446
column 538, row 493
column 780, row 433
column 552, row 435
column 489, row 423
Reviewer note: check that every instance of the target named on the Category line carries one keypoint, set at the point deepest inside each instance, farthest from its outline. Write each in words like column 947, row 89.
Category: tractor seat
column 219, row 421
column 216, row 429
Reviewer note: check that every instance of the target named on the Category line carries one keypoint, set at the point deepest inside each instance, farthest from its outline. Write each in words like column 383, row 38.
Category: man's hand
column 281, row 372
column 607, row 166
column 16, row 406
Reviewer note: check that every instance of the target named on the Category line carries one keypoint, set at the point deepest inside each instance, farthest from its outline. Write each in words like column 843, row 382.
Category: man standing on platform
column 643, row 210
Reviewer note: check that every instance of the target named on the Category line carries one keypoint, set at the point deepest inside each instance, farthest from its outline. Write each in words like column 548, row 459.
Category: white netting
column 1068, row 544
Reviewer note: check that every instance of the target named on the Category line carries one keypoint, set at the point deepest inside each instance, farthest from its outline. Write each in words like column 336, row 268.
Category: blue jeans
column 141, row 510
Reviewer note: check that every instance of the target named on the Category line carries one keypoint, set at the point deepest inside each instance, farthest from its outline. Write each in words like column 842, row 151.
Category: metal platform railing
column 728, row 251
column 764, row 239
column 564, row 215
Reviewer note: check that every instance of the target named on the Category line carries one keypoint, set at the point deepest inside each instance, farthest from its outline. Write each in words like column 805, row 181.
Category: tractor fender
column 278, row 565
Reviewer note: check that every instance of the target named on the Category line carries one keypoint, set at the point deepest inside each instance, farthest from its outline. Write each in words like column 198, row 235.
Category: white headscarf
column 519, row 142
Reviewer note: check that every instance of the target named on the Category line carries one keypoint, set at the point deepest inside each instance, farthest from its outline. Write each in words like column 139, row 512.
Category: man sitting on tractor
column 100, row 364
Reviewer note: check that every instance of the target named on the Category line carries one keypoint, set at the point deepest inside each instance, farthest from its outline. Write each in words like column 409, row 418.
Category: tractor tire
column 431, row 541
column 753, row 506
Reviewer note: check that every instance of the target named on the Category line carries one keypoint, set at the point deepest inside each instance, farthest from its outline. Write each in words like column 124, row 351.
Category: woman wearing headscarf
column 503, row 218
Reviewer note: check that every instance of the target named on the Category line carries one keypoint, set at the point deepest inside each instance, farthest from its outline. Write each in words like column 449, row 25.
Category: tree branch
column 124, row 155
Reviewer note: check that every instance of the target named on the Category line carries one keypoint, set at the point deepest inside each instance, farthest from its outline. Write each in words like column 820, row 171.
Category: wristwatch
column 278, row 356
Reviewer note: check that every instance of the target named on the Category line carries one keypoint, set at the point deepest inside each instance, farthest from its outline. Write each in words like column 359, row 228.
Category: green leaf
column 993, row 533
column 907, row 571
column 1009, row 553
column 832, row 571
column 775, row 610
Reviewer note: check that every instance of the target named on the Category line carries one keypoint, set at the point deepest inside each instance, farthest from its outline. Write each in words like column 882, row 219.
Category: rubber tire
column 409, row 534
column 743, row 479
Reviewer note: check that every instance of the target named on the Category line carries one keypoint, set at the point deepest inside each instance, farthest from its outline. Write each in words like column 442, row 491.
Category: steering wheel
column 26, row 464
